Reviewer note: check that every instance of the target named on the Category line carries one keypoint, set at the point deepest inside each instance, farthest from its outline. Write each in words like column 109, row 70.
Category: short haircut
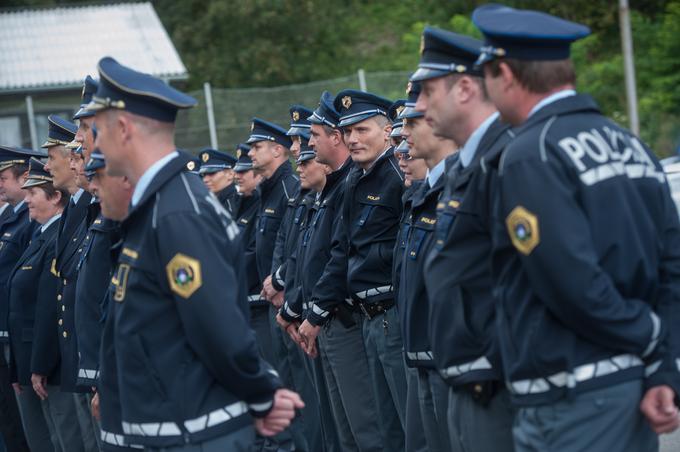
column 18, row 169
column 382, row 120
column 51, row 192
column 452, row 79
column 537, row 77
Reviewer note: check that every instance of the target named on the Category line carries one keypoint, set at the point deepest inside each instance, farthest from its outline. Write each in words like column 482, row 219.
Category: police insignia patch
column 191, row 166
column 400, row 109
column 252, row 126
column 522, row 227
column 422, row 44
column 409, row 86
column 238, row 153
column 296, row 116
column 205, row 157
column 184, row 275
column 346, row 101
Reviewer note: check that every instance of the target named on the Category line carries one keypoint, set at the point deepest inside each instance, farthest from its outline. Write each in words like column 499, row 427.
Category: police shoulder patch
column 523, row 229
column 184, row 275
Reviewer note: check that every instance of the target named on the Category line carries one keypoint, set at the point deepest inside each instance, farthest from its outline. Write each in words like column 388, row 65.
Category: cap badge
column 346, row 101
column 296, row 116
column 205, row 157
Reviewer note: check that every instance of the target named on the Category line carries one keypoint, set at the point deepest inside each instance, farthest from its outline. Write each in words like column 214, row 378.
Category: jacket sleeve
column 279, row 259
column 210, row 291
column 331, row 289
column 664, row 367
column 45, row 351
column 539, row 204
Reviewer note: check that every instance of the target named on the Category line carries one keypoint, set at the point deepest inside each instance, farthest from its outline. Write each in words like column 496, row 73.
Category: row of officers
column 488, row 265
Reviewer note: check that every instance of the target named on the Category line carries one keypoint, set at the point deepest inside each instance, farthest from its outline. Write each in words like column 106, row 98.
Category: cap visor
column 396, row 132
column 83, row 113
column 402, row 147
column 33, row 182
column 298, row 131
column 355, row 119
column 410, row 113
column 427, row 74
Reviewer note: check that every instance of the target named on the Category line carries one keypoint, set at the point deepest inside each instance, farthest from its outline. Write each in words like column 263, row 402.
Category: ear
column 327, row 169
column 507, row 75
column 277, row 150
column 387, row 130
column 125, row 127
column 465, row 89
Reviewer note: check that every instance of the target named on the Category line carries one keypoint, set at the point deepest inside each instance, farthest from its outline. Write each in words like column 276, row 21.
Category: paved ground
column 671, row 443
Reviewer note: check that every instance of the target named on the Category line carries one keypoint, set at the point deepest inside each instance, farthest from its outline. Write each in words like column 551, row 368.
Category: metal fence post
column 629, row 66
column 31, row 122
column 362, row 80
column 211, row 114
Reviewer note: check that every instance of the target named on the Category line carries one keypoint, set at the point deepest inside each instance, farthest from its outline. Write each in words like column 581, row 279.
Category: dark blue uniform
column 458, row 272
column 94, row 274
column 228, row 198
column 586, row 257
column 246, row 208
column 69, row 248
column 180, row 251
column 15, row 234
column 33, row 311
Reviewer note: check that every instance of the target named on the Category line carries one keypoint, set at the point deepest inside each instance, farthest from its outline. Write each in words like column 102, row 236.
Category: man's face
column 420, row 137
column 366, row 140
column 109, row 141
column 261, row 153
column 77, row 165
column 114, row 194
column 439, row 105
column 85, row 137
column 247, row 181
column 10, row 187
column 219, row 180
column 295, row 147
column 322, row 143
column 59, row 166
column 312, row 174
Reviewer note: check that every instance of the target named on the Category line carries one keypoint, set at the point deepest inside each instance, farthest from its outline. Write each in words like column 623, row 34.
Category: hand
column 277, row 300
column 94, row 407
column 281, row 414
column 658, row 405
column 17, row 388
column 268, row 290
column 309, row 334
column 39, row 383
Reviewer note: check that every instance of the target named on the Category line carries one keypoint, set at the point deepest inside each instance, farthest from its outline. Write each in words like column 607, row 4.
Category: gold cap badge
column 346, row 101
column 205, row 157
column 296, row 116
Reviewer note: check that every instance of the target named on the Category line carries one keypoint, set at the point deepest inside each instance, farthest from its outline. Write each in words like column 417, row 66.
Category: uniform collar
column 148, row 176
column 76, row 196
column 435, row 173
column 19, row 205
column 49, row 222
column 3, row 208
column 552, row 98
column 472, row 143
column 380, row 157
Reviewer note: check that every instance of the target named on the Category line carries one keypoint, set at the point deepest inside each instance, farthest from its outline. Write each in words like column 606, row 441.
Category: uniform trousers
column 10, row 421
column 33, row 420
column 239, row 441
column 433, row 396
column 62, row 419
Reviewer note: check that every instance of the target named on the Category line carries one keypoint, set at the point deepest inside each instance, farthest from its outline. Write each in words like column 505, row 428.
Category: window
column 10, row 130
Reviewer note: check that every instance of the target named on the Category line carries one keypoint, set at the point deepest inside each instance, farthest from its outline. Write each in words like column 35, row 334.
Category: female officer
column 32, row 288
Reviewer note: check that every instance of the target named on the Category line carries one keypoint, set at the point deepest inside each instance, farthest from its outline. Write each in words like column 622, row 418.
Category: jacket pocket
column 144, row 359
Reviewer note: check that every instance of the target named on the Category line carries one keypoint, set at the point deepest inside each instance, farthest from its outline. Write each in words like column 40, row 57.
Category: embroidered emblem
column 184, row 275
column 191, row 165
column 346, row 101
column 205, row 157
column 522, row 227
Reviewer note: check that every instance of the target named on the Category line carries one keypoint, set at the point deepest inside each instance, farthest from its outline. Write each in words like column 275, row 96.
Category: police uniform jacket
column 111, row 426
column 246, row 214
column 586, row 257
column 412, row 301
column 362, row 262
column 283, row 270
column 73, row 230
column 227, row 197
column 458, row 270
column 315, row 245
column 94, row 274
column 32, row 310
column 404, row 225
column 189, row 369
column 274, row 195
column 15, row 234
column 6, row 213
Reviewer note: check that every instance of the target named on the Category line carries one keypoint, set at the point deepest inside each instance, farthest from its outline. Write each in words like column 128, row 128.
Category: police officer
column 343, row 360
column 362, row 260
column 15, row 233
column 66, row 166
column 114, row 194
column 458, row 274
column 32, row 311
column 218, row 175
column 418, row 238
column 65, row 413
column 289, row 360
column 180, row 250
column 586, row 248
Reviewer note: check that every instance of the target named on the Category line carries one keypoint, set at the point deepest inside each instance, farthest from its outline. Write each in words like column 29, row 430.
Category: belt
column 480, row 363
column 584, row 372
column 368, row 293
column 371, row 310
column 215, row 417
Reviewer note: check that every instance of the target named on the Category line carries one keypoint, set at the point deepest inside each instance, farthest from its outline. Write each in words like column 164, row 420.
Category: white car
column 671, row 166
